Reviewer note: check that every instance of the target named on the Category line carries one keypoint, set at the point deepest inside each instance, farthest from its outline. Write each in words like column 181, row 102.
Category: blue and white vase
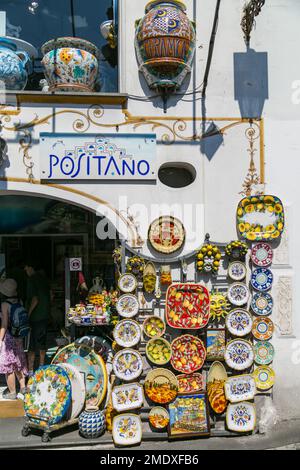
column 13, row 73
column 92, row 423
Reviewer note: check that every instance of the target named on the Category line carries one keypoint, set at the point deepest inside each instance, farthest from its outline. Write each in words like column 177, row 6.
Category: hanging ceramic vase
column 71, row 64
column 13, row 73
column 165, row 44
column 92, row 423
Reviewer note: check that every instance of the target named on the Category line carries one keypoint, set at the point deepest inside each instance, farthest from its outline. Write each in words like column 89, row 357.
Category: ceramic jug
column 97, row 287
column 92, row 423
column 13, row 73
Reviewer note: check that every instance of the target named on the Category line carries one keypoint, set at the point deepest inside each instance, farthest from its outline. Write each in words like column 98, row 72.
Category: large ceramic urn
column 165, row 44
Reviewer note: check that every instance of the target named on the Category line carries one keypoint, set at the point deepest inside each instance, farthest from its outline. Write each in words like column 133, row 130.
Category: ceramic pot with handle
column 13, row 63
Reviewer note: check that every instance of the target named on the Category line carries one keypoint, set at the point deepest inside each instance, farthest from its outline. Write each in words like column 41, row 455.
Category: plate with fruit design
column 187, row 306
column 190, row 383
column 158, row 351
column 154, row 327
column 188, row 354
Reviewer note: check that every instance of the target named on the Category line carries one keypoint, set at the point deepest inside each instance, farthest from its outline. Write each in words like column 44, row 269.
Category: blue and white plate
column 262, row 303
column 237, row 271
column 239, row 322
column 262, row 279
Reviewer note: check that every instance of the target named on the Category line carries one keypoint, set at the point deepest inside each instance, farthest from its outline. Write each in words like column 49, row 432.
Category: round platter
column 154, row 327
column 127, row 364
column 91, row 365
column 161, row 386
column 262, row 254
column 262, row 279
column 239, row 322
column 127, row 283
column 264, row 377
column 127, row 306
column 78, row 390
column 49, row 394
column 263, row 353
column 237, row 271
column 166, row 234
column 239, row 354
column 159, row 417
column 127, row 333
column 158, row 351
column 238, row 294
column 262, row 303
column 188, row 354
column 263, row 328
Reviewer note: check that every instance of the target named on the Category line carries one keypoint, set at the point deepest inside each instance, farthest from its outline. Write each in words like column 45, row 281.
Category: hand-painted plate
column 262, row 303
column 154, row 327
column 190, row 383
column 166, row 234
column 127, row 429
column 239, row 322
column 263, row 328
column 262, row 254
column 127, row 397
column 241, row 417
column 161, row 386
column 128, row 364
column 262, row 279
column 216, row 379
column 49, row 396
column 264, row 377
column 159, row 417
column 239, row 388
column 158, row 351
column 263, row 353
column 127, row 333
column 237, row 271
column 187, row 306
column 91, row 365
column 188, row 354
column 238, row 294
column 239, row 354
column 127, row 283
column 128, row 306
column 78, row 390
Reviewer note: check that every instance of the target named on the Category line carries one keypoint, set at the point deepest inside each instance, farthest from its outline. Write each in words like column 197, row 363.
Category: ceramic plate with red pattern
column 262, row 254
column 190, row 383
column 188, row 354
column 166, row 234
column 187, row 306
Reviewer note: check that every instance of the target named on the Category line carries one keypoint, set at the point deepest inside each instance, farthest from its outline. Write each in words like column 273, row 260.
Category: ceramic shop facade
column 224, row 155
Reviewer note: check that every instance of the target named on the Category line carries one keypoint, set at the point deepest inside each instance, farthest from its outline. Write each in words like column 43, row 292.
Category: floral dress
column 12, row 355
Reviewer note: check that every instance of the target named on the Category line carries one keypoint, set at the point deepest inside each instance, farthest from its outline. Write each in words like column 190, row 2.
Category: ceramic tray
column 49, row 395
column 127, row 333
column 264, row 377
column 237, row 271
column 127, row 429
column 158, row 351
column 161, row 386
column 263, row 353
column 78, row 390
column 262, row 254
column 187, row 306
column 262, row 279
column 262, row 303
column 238, row 294
column 159, row 417
column 260, row 218
column 216, row 379
column 188, row 354
column 190, row 383
column 239, row 322
column 127, row 283
column 127, row 397
column 239, row 354
column 263, row 328
column 128, row 306
column 241, row 417
column 239, row 388
column 127, row 364
column 91, row 365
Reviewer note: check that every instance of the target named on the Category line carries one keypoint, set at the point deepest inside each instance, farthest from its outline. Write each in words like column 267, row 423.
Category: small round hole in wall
column 177, row 175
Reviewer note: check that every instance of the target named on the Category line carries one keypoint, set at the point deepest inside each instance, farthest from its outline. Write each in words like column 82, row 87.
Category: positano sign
column 97, row 157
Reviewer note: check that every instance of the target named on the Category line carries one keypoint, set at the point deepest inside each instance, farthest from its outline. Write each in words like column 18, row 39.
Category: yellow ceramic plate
column 264, row 377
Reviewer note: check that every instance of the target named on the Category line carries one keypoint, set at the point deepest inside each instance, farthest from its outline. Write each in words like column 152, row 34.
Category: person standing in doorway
column 38, row 307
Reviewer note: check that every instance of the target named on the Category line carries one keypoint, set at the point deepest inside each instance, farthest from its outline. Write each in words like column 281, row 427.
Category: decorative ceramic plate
column 239, row 354
column 166, row 234
column 127, row 306
column 264, row 377
column 190, row 383
column 49, row 395
column 127, row 397
column 262, row 303
column 127, row 283
column 127, row 364
column 263, row 353
column 91, row 365
column 239, row 388
column 237, row 271
column 238, row 294
column 127, row 429
column 154, row 327
column 161, row 386
column 260, row 218
column 158, row 351
column 239, row 322
column 263, row 328
column 78, row 390
column 187, row 306
column 188, row 354
column 241, row 417
column 127, row 333
column 159, row 417
column 216, row 379
column 262, row 254
column 262, row 279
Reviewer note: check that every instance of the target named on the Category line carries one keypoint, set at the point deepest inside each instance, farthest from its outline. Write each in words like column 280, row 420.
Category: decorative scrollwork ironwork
column 25, row 144
column 252, row 178
column 251, row 10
